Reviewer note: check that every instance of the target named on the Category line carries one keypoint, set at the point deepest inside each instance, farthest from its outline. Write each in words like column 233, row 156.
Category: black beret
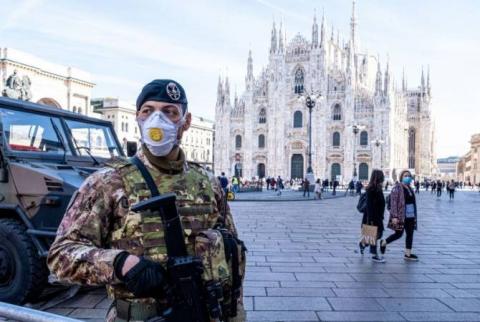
column 163, row 90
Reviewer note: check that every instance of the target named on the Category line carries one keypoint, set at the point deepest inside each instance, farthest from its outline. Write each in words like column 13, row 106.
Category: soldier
column 100, row 241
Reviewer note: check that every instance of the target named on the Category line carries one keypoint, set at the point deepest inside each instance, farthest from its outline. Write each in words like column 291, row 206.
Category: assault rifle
column 190, row 301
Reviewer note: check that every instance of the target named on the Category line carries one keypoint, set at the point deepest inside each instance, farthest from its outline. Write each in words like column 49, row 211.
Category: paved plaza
column 303, row 265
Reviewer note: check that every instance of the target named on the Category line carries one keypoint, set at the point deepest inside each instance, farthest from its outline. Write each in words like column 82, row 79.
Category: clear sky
column 125, row 44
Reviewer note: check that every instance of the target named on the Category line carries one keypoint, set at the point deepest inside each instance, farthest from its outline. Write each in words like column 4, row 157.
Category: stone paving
column 302, row 265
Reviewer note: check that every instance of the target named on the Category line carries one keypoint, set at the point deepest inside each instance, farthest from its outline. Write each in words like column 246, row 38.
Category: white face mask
column 159, row 133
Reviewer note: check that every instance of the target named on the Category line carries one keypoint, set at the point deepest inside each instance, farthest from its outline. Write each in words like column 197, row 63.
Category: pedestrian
column 403, row 215
column 451, row 189
column 359, row 187
column 335, row 185
column 318, row 189
column 386, row 186
column 268, row 183
column 306, row 187
column 417, row 186
column 224, row 182
column 235, row 184
column 102, row 241
column 434, row 186
column 374, row 213
column 279, row 186
column 351, row 188
column 439, row 188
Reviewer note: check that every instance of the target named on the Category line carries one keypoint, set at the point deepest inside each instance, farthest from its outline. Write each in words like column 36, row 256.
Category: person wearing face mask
column 101, row 241
column 403, row 215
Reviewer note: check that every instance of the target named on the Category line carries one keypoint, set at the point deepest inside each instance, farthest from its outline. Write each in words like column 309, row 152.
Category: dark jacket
column 375, row 208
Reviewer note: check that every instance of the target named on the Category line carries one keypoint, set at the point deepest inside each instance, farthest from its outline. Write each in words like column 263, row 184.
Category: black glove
column 145, row 279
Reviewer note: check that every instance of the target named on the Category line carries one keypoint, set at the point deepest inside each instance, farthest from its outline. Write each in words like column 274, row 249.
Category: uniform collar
column 163, row 164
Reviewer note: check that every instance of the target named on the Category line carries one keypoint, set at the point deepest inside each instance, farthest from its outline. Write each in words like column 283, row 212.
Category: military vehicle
column 45, row 155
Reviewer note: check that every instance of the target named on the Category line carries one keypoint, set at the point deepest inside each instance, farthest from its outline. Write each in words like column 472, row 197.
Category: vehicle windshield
column 29, row 132
column 93, row 139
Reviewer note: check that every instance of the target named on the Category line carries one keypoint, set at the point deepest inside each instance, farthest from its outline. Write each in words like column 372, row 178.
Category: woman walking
column 318, row 190
column 375, row 210
column 403, row 215
column 451, row 189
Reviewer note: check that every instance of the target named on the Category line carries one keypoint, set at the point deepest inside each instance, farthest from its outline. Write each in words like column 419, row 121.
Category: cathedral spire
column 322, row 32
column 353, row 25
column 273, row 41
column 249, row 77
column 423, row 81
column 386, row 85
column 428, row 81
column 280, row 39
column 219, row 91
column 404, row 81
column 227, row 91
column 315, row 31
column 378, row 80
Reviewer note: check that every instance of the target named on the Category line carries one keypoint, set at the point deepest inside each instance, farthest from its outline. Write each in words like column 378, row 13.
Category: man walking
column 224, row 182
column 306, row 187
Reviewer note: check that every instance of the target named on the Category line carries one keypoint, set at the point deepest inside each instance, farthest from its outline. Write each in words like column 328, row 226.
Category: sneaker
column 412, row 257
column 378, row 259
column 362, row 247
column 383, row 246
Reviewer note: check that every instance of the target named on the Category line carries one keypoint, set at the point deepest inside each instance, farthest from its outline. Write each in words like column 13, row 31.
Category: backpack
column 362, row 203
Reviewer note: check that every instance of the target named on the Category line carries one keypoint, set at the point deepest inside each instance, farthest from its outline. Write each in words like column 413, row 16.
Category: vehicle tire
column 23, row 274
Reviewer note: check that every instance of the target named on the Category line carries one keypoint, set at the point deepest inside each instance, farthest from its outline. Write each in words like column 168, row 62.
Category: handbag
column 369, row 235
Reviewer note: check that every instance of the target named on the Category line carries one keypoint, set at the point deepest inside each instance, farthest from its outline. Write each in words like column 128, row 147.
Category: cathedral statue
column 18, row 88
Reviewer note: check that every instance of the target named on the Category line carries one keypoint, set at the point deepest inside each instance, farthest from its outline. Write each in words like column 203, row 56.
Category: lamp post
column 379, row 143
column 356, row 128
column 355, row 132
column 310, row 100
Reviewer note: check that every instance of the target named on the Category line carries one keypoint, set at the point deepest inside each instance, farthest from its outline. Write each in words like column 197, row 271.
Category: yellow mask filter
column 155, row 134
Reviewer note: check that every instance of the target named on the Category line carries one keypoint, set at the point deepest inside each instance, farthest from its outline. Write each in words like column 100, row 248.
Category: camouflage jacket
column 83, row 251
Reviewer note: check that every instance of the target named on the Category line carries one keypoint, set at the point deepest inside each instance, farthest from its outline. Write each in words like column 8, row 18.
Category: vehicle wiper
column 87, row 149
column 60, row 137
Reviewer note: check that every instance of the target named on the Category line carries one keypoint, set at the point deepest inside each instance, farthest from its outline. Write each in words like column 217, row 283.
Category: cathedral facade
column 361, row 119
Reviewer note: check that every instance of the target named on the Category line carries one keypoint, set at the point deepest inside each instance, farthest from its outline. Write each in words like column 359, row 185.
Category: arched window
column 238, row 141
column 336, row 139
column 363, row 171
column 299, row 81
column 261, row 141
column 297, row 119
column 262, row 116
column 364, row 138
column 79, row 110
column 126, row 127
column 74, row 109
column 337, row 112
column 123, row 127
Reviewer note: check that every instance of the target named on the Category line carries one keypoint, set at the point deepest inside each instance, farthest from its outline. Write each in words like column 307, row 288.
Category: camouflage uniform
column 98, row 224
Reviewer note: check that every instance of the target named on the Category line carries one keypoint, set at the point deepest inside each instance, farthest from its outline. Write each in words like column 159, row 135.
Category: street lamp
column 379, row 143
column 310, row 100
column 356, row 129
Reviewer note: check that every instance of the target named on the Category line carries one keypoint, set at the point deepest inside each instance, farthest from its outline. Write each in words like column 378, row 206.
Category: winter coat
column 375, row 208
column 397, row 204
